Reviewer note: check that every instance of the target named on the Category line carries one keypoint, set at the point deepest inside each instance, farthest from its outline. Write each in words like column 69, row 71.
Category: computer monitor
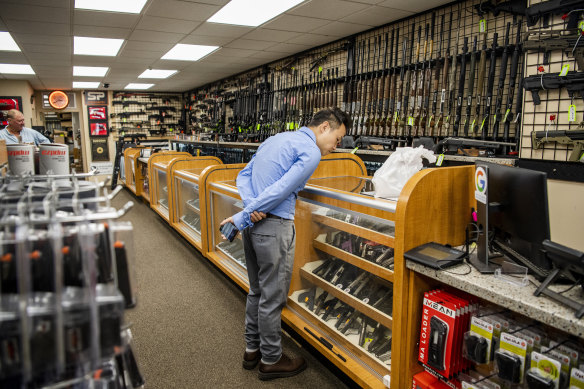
column 512, row 208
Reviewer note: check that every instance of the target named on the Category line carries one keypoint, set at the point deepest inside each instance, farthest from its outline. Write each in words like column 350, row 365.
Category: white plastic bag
column 390, row 178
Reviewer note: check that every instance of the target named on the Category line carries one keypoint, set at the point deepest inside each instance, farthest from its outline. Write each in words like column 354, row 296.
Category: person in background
column 268, row 186
column 16, row 132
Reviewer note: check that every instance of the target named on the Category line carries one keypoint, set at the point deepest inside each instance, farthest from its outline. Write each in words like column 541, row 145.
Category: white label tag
column 572, row 112
column 482, row 25
column 565, row 70
column 440, row 160
column 410, row 121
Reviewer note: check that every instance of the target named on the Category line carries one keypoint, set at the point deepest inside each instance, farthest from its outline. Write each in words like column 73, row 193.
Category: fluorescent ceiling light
column 89, row 71
column 85, row 84
column 7, row 42
column 157, row 73
column 9, row 68
column 138, row 86
column 128, row 6
column 251, row 12
column 96, row 46
column 184, row 52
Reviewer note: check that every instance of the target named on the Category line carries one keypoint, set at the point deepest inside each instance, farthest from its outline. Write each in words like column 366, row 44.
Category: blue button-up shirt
column 270, row 182
column 28, row 135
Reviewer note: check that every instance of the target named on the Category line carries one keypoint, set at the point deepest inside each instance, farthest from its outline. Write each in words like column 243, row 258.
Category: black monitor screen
column 518, row 210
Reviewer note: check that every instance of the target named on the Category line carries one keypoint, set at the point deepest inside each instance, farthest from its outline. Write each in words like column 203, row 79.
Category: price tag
column 482, row 25
column 320, row 69
column 506, row 114
column 565, row 69
column 440, row 160
column 410, row 121
column 124, row 120
column 572, row 112
column 258, row 127
column 581, row 25
column 354, row 150
column 170, row 129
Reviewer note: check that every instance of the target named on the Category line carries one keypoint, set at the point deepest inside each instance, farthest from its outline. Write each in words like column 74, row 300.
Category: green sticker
column 572, row 112
column 239, row 128
column 506, row 114
column 170, row 129
column 410, row 121
column 565, row 69
column 482, row 25
column 440, row 160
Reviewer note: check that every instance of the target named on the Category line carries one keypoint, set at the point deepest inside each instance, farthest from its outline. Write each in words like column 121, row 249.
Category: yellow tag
column 170, row 129
column 354, row 150
column 396, row 117
column 565, row 69
column 440, row 160
column 125, row 109
column 506, row 114
column 258, row 127
column 581, row 25
column 572, row 112
column 410, row 121
column 482, row 25
column 124, row 120
column 239, row 129
column 62, row 135
column 320, row 69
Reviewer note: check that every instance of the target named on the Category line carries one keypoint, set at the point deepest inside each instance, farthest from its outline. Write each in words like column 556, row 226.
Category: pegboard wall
column 390, row 79
column 559, row 110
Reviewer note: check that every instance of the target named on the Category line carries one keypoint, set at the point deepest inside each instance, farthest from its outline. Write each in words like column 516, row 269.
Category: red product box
column 423, row 380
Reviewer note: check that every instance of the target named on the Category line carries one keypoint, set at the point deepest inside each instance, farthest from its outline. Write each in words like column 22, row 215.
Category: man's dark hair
column 334, row 116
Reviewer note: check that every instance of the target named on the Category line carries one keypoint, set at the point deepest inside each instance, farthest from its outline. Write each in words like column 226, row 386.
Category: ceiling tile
column 413, row 5
column 2, row 26
column 141, row 54
column 327, row 9
column 288, row 48
column 215, row 2
column 104, row 19
column 27, row 27
column 376, row 16
column 311, row 39
column 148, row 46
column 12, row 57
column 249, row 44
column 49, row 49
column 340, row 29
column 100, row 32
column 214, row 29
column 266, row 34
column 229, row 52
column 52, row 3
column 34, row 13
column 65, row 61
column 156, row 36
column 295, row 23
column 19, row 76
column 41, row 39
column 130, row 59
column 89, row 60
column 57, row 83
column 154, row 23
column 270, row 55
column 181, row 10
column 167, row 64
column 47, row 56
column 206, row 40
column 369, row 1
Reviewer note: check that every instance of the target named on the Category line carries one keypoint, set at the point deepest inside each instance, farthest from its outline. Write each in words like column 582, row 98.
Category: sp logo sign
column 95, row 97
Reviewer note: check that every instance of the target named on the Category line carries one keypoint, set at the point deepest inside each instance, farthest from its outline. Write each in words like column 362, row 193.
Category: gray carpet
column 188, row 324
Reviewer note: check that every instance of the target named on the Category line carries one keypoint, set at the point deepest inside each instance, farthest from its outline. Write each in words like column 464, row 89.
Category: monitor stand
column 483, row 260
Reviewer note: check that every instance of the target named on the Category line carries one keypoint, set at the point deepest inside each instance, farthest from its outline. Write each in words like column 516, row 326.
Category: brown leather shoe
column 251, row 360
column 285, row 367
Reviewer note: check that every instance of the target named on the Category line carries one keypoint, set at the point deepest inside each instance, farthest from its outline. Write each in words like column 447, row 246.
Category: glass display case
column 158, row 180
column 224, row 201
column 128, row 171
column 185, row 194
column 143, row 180
column 344, row 268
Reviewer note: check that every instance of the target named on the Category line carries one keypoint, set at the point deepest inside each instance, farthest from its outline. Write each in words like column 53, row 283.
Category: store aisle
column 188, row 324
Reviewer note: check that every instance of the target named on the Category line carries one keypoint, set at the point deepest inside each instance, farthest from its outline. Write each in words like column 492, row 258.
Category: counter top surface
column 517, row 299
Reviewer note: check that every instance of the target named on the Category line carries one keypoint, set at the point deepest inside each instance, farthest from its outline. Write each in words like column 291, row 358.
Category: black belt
column 274, row 216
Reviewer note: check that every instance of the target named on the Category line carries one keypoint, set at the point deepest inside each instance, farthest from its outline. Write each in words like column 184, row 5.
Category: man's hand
column 256, row 216
column 228, row 220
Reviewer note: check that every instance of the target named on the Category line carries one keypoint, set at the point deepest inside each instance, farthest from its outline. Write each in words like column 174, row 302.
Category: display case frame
column 159, row 157
column 188, row 172
column 131, row 156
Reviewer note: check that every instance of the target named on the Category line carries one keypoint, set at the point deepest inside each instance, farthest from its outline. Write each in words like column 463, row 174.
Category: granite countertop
column 514, row 298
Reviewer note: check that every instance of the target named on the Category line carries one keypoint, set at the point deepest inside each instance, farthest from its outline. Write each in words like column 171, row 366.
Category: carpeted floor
column 188, row 324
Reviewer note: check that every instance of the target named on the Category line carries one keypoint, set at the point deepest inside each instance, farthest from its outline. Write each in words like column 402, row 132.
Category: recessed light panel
column 127, row 6
column 96, row 46
column 89, row 71
column 9, row 68
column 182, row 52
column 157, row 73
column 7, row 43
column 251, row 12
column 138, row 86
column 85, row 84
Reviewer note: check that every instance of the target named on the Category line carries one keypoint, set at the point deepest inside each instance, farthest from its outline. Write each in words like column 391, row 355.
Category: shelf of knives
column 357, row 316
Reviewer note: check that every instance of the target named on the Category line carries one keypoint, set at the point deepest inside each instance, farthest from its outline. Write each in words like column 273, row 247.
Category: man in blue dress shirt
column 268, row 186
column 16, row 132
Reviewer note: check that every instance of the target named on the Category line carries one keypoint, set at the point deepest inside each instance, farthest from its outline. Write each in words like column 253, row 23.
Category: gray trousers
column 269, row 254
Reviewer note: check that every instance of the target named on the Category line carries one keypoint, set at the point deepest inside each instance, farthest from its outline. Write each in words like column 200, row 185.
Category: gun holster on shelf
column 509, row 366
